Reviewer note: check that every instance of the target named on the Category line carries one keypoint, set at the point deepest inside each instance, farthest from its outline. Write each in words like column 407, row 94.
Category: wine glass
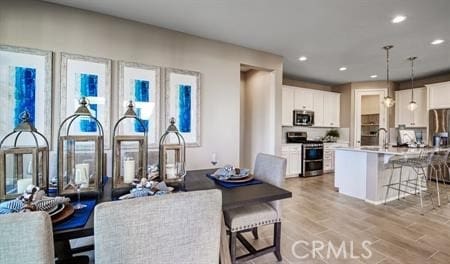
column 79, row 205
column 214, row 158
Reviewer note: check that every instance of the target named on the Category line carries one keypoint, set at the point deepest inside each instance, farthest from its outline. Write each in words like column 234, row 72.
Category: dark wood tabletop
column 236, row 197
column 195, row 181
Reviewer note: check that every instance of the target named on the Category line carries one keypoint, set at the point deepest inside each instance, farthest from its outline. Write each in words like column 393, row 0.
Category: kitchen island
column 363, row 172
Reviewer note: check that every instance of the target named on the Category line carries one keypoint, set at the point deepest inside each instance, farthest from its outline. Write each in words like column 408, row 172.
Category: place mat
column 231, row 185
column 67, row 212
column 79, row 218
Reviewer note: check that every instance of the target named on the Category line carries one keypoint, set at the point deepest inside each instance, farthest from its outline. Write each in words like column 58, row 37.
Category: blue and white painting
column 140, row 83
column 89, row 88
column 89, row 77
column 183, row 103
column 141, row 95
column 184, row 108
column 24, row 93
column 25, row 85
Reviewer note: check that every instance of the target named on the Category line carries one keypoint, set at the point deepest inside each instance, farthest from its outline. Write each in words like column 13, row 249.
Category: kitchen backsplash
column 316, row 132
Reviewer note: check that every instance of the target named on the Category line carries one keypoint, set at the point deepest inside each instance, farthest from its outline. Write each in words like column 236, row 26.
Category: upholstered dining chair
column 26, row 238
column 270, row 169
column 174, row 228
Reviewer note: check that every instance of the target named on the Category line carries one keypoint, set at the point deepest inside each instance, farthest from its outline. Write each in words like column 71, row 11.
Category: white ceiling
column 331, row 33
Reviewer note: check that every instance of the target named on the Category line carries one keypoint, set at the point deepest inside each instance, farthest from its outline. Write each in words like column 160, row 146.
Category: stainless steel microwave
column 303, row 118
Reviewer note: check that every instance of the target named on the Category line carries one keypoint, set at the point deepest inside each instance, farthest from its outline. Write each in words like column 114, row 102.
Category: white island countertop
column 391, row 150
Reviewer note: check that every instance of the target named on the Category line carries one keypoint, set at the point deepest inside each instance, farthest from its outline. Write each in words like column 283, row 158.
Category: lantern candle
column 22, row 184
column 129, row 170
column 170, row 168
column 82, row 174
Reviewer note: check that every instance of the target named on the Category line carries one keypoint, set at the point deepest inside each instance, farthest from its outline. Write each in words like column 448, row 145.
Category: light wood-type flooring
column 395, row 233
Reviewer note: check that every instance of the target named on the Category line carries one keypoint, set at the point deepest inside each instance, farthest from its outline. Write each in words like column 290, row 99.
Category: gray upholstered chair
column 26, row 238
column 175, row 228
column 270, row 169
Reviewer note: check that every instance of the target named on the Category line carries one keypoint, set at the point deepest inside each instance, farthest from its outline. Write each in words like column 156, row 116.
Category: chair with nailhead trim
column 270, row 169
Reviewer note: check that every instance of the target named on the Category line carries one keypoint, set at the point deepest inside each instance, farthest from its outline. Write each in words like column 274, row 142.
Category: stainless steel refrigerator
column 438, row 129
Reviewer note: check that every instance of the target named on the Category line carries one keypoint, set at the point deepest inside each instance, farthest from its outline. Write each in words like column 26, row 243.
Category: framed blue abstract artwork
column 90, row 77
column 140, row 83
column 183, row 103
column 25, row 85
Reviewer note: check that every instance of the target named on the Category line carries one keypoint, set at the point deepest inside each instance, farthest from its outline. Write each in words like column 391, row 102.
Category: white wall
column 370, row 104
column 47, row 26
column 258, row 116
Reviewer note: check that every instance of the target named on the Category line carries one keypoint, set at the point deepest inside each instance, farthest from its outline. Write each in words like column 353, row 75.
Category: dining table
column 195, row 180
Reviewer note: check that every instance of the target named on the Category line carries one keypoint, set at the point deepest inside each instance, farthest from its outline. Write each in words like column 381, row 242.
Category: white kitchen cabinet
column 287, row 105
column 293, row 155
column 331, row 109
column 318, row 108
column 303, row 99
column 328, row 156
column 403, row 116
column 325, row 105
column 438, row 95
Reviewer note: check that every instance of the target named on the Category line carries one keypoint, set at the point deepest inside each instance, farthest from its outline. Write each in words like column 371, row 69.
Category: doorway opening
column 257, row 114
column 370, row 117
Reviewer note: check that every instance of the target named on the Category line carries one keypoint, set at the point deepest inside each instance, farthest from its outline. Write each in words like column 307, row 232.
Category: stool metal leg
column 389, row 184
column 433, row 170
column 399, row 183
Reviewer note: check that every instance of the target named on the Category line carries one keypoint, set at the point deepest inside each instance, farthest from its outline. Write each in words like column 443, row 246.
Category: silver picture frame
column 72, row 67
column 173, row 79
column 131, row 71
column 42, row 60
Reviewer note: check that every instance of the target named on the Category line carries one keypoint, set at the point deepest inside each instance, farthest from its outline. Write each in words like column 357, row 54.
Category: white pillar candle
column 82, row 174
column 22, row 184
column 128, row 170
column 170, row 171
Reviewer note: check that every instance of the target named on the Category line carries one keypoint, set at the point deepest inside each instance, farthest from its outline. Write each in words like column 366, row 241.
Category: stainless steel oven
column 303, row 118
column 312, row 158
column 312, row 153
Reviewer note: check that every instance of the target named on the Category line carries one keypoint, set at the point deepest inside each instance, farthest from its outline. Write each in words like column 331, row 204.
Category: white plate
column 58, row 210
column 221, row 173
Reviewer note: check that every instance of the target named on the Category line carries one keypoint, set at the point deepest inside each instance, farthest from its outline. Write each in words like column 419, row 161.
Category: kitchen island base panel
column 364, row 175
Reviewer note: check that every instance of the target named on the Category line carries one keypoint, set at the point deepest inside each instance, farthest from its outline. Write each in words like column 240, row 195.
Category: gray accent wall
column 58, row 28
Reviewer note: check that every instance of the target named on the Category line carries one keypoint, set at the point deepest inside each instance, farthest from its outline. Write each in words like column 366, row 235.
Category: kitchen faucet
column 386, row 136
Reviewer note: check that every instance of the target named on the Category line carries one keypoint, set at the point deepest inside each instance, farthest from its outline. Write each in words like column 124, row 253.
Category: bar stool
column 439, row 162
column 419, row 182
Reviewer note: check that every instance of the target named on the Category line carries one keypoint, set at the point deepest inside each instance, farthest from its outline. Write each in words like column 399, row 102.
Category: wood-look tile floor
column 397, row 232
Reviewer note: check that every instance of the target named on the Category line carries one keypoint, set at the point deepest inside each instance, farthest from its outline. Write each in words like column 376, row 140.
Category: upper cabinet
column 326, row 105
column 332, row 106
column 303, row 99
column 416, row 118
column 318, row 108
column 438, row 95
column 287, row 104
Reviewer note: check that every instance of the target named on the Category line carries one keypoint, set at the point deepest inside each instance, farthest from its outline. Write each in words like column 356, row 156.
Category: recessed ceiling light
column 302, row 58
column 373, row 76
column 398, row 19
column 343, row 68
column 437, row 42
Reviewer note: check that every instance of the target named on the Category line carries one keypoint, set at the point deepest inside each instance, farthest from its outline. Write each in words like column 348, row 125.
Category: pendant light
column 412, row 104
column 388, row 100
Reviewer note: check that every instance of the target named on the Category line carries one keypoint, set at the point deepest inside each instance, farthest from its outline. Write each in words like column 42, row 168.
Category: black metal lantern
column 23, row 164
column 172, row 154
column 80, row 156
column 129, row 153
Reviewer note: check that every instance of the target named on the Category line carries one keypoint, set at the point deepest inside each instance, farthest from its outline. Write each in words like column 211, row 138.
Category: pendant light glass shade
column 412, row 104
column 388, row 100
